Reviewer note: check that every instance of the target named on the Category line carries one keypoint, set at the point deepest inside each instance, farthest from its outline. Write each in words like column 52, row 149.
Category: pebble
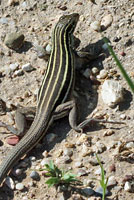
column 112, row 168
column 51, row 137
column 128, row 187
column 68, row 152
column 12, row 140
column 81, row 172
column 95, row 70
column 32, row 158
column 106, row 22
column 130, row 145
column 3, row 20
column 98, row 171
column 95, row 26
column 23, row 164
column 87, row 73
column 112, row 92
column 111, row 181
column 103, row 74
column 44, row 162
column 85, row 150
column 66, row 159
column 19, row 72
column 99, row 190
column 40, row 51
column 48, row 48
column 14, row 40
column 9, row 182
column 99, row 147
column 14, row 66
column 27, row 67
column 88, row 191
column 108, row 132
column 35, row 176
column 18, row 172
column 78, row 164
column 122, row 116
column 104, row 47
column 19, row 186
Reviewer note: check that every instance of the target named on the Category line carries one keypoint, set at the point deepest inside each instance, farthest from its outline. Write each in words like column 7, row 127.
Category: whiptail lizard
column 55, row 94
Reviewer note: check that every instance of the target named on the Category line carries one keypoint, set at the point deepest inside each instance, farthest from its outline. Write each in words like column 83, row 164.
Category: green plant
column 103, row 181
column 123, row 71
column 58, row 176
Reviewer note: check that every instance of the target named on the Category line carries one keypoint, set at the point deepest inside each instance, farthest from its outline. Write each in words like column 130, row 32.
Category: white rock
column 48, row 48
column 44, row 162
column 106, row 21
column 103, row 74
column 19, row 186
column 9, row 182
column 127, row 186
column 130, row 145
column 111, row 181
column 95, row 70
column 98, row 171
column 95, row 26
column 27, row 67
column 112, row 92
column 14, row 66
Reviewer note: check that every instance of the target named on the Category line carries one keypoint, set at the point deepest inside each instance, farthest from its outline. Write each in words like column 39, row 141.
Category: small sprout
column 58, row 176
column 103, row 181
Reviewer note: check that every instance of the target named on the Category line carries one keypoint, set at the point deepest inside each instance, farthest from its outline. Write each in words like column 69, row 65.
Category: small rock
column 51, row 137
column 99, row 190
column 66, row 159
column 14, row 40
column 130, row 145
column 95, row 70
column 35, row 176
column 122, row 116
column 83, row 138
column 128, row 187
column 106, row 22
column 109, row 132
column 9, row 182
column 23, row 164
column 48, row 48
column 105, row 47
column 85, row 150
column 12, row 140
column 44, row 162
column 111, row 181
column 87, row 73
column 18, row 172
column 19, row 186
column 122, row 53
column 78, row 164
column 3, row 20
column 27, row 67
column 19, row 72
column 88, row 191
column 14, row 66
column 95, row 26
column 32, row 158
column 81, row 172
column 41, row 53
column 99, row 147
column 68, row 152
column 103, row 74
column 112, row 168
column 98, row 171
column 112, row 92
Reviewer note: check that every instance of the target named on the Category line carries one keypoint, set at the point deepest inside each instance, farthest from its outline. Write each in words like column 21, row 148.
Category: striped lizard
column 55, row 94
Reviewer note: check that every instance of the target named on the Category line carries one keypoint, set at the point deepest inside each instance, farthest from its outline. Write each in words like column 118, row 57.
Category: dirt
column 36, row 20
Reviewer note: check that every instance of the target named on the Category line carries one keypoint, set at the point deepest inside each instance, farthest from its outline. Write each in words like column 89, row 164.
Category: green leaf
column 52, row 181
